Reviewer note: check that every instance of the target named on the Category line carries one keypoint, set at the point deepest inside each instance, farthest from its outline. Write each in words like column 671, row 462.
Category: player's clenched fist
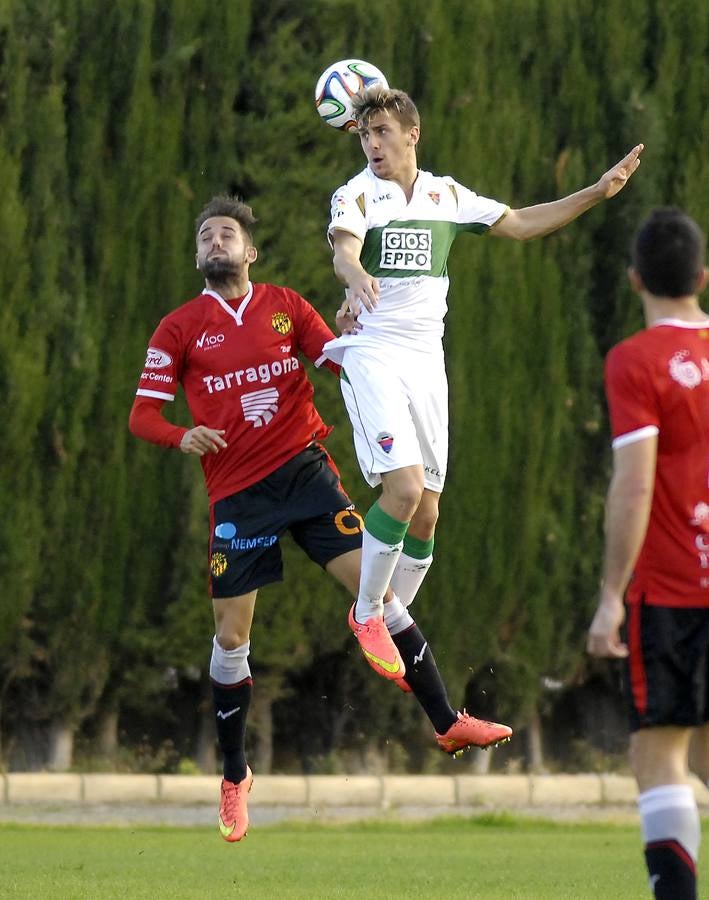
column 201, row 440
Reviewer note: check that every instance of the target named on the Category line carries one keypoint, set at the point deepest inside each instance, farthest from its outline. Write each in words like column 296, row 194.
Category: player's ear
column 414, row 135
column 196, row 261
column 251, row 255
column 702, row 279
column 636, row 282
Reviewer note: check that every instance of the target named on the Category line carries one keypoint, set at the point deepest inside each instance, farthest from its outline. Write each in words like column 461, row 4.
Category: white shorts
column 398, row 406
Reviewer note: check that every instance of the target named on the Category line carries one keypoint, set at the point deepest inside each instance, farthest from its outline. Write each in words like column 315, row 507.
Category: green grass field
column 490, row 857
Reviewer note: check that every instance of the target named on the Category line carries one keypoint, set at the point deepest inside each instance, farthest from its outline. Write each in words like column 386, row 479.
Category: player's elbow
column 513, row 225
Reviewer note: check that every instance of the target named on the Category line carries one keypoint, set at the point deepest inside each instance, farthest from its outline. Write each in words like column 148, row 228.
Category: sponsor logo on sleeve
column 406, row 248
column 157, row 359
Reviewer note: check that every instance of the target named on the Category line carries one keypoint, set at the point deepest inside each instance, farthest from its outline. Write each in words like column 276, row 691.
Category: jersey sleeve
column 346, row 213
column 146, row 421
column 475, row 213
column 162, row 369
column 311, row 332
column 632, row 400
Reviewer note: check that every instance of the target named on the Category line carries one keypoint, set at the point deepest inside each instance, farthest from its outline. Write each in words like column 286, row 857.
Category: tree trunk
column 206, row 750
column 60, row 748
column 267, row 688
column 480, row 761
column 535, row 753
column 107, row 737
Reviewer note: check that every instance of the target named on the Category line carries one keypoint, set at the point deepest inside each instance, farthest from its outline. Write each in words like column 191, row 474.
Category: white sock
column 669, row 812
column 229, row 666
column 408, row 577
column 396, row 616
column 378, row 563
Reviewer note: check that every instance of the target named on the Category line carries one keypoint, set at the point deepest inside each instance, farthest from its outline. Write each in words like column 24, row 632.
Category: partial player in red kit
column 657, row 542
column 237, row 350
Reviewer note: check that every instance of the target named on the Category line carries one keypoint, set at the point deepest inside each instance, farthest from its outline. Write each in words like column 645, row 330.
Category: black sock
column 231, row 706
column 423, row 677
column 672, row 871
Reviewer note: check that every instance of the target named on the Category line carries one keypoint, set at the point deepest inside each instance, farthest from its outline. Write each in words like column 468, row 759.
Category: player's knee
column 229, row 638
column 426, row 520
column 407, row 497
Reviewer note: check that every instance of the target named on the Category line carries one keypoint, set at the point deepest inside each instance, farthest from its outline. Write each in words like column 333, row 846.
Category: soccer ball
column 336, row 87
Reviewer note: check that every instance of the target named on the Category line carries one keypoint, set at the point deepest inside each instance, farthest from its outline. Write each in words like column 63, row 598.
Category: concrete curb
column 320, row 792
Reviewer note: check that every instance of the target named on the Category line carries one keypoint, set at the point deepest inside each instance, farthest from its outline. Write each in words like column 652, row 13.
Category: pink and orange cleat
column 469, row 732
column 378, row 648
column 233, row 811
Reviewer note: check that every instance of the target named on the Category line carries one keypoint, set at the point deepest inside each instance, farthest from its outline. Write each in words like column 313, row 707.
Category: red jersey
column 238, row 363
column 657, row 382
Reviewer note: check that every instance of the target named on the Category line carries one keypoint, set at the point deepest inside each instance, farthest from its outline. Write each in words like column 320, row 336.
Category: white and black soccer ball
column 336, row 87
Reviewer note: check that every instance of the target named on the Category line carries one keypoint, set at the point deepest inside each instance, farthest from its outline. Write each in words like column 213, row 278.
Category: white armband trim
column 632, row 436
column 158, row 395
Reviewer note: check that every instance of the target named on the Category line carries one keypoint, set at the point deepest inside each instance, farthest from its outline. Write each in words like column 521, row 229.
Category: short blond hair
column 377, row 98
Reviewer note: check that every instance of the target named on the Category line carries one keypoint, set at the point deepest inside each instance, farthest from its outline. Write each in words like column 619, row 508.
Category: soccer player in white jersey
column 391, row 229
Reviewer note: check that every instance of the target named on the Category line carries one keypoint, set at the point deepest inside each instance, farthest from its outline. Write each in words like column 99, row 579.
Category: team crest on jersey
column 435, row 196
column 218, row 564
column 281, row 323
column 385, row 441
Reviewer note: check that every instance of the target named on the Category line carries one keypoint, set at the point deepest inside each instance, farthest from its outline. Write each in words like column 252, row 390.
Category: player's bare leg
column 668, row 810
column 231, row 688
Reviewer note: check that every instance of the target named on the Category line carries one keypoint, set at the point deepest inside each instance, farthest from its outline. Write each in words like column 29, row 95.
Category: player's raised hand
column 201, row 440
column 617, row 177
column 604, row 634
column 346, row 320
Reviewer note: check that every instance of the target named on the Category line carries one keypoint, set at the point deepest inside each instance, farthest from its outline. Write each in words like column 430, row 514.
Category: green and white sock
column 411, row 568
column 382, row 541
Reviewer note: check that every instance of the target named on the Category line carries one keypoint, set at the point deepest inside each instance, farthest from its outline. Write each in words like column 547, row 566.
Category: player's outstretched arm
column 544, row 218
column 362, row 288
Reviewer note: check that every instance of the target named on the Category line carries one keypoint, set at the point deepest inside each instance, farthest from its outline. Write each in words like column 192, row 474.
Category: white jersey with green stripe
column 405, row 245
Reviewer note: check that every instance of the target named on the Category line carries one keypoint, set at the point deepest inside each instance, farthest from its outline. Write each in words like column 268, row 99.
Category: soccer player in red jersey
column 657, row 542
column 235, row 348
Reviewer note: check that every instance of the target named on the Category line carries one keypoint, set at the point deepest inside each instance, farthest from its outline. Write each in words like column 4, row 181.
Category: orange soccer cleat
column 233, row 811
column 378, row 648
column 469, row 732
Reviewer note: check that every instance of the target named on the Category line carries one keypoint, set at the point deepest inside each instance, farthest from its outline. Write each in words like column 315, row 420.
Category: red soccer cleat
column 378, row 648
column 469, row 732
column 233, row 811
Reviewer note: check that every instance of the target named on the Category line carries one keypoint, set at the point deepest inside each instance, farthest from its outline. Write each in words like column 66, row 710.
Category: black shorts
column 304, row 496
column 668, row 665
